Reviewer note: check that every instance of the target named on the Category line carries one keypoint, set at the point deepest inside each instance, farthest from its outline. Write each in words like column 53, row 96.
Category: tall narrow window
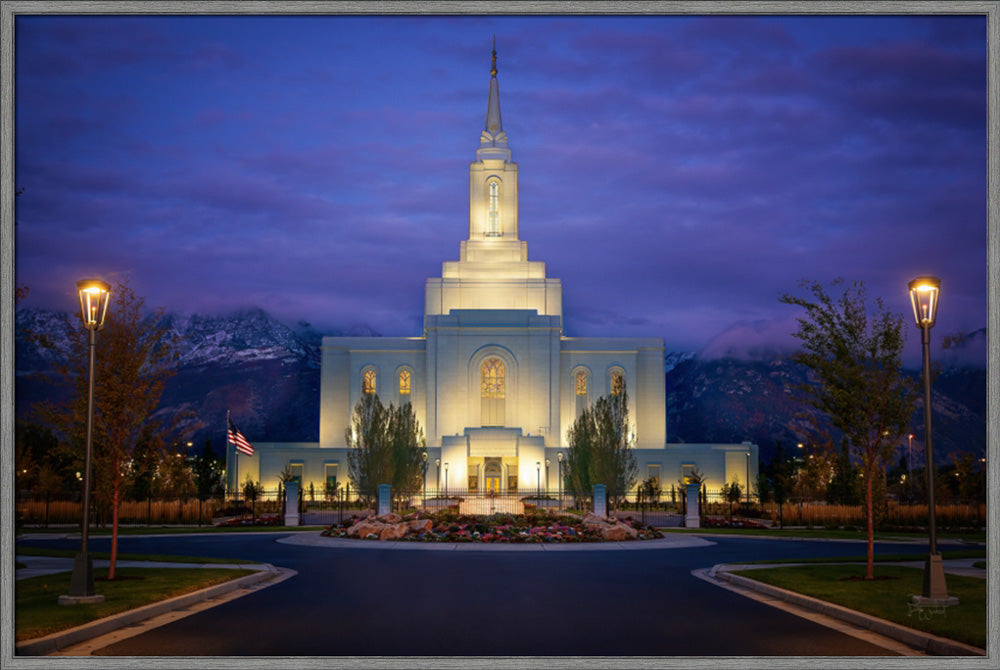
column 492, row 391
column 493, row 228
column 368, row 383
column 581, row 392
column 404, row 385
column 617, row 382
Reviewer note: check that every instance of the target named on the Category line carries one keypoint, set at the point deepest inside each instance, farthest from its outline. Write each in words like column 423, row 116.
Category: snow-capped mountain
column 267, row 375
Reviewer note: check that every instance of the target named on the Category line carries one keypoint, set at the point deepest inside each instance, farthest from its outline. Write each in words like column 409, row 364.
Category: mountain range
column 267, row 375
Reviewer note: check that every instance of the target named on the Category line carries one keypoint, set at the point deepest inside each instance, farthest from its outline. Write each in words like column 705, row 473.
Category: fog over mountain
column 267, row 374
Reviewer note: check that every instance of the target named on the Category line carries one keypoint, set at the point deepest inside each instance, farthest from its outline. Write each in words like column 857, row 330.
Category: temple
column 493, row 380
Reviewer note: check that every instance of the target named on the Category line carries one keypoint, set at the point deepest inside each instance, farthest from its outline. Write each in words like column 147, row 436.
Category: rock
column 630, row 531
column 591, row 520
column 364, row 527
column 391, row 517
column 394, row 531
column 421, row 525
column 613, row 533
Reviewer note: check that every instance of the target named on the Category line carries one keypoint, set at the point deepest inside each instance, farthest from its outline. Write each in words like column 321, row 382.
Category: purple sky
column 677, row 173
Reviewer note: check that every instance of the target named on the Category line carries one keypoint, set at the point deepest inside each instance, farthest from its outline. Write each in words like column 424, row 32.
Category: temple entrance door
column 492, row 473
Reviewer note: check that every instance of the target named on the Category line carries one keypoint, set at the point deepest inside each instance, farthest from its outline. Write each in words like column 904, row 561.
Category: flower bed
column 448, row 526
column 737, row 522
column 262, row 520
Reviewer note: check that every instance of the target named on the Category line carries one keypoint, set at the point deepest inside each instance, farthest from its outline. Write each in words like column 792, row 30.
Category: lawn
column 37, row 612
column 99, row 555
column 823, row 533
column 887, row 596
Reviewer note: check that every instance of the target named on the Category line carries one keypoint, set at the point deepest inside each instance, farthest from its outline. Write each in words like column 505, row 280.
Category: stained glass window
column 617, row 382
column 368, row 384
column 404, row 382
column 494, row 215
column 493, row 378
column 581, row 383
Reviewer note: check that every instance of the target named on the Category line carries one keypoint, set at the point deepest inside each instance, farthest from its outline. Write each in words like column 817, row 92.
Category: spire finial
column 493, row 67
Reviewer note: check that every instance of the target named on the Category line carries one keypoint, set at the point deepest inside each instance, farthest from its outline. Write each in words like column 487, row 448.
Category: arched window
column 404, row 383
column 492, row 391
column 493, row 223
column 617, row 382
column 368, row 382
column 582, row 383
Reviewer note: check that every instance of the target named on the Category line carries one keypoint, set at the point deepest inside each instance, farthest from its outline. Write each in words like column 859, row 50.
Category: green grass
column 71, row 553
column 979, row 564
column 823, row 533
column 174, row 530
column 887, row 598
column 879, row 558
column 37, row 611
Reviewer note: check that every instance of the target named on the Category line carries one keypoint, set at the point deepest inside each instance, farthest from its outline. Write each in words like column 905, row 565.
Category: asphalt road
column 417, row 603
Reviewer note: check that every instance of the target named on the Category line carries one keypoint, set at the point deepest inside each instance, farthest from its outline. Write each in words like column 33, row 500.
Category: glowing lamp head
column 924, row 293
column 94, row 297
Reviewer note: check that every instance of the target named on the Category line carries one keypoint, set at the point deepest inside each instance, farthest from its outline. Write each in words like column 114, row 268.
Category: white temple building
column 493, row 380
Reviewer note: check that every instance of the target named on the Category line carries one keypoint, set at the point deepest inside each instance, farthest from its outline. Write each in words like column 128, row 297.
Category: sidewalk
column 47, row 565
column 858, row 624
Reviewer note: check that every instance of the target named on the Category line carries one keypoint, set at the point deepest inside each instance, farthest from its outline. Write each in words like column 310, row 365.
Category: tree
column 135, row 355
column 732, row 492
column 843, row 488
column 600, row 448
column 386, row 446
column 854, row 352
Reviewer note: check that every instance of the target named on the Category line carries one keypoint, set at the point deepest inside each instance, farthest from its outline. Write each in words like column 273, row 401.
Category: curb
column 919, row 640
column 56, row 641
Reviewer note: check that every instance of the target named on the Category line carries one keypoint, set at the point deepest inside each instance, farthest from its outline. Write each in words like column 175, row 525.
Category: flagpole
column 236, row 460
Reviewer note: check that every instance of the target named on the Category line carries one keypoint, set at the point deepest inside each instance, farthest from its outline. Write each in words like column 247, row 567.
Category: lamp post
column 94, row 297
column 538, row 478
column 546, row 476
column 423, row 457
column 909, row 455
column 437, row 477
column 924, row 292
column 748, row 477
column 446, row 480
column 559, row 457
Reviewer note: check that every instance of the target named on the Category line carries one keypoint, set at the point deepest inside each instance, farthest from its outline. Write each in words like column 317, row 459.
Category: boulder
column 365, row 527
column 391, row 517
column 421, row 525
column 394, row 531
column 614, row 533
column 591, row 520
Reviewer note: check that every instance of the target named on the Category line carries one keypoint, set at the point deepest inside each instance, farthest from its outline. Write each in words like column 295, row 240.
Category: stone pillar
column 384, row 499
column 692, row 519
column 600, row 500
column 291, row 503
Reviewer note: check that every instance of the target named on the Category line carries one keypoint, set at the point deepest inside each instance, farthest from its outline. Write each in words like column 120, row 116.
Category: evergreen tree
column 600, row 448
column 386, row 446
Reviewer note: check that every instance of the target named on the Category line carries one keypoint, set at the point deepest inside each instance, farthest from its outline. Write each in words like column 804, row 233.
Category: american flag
column 235, row 438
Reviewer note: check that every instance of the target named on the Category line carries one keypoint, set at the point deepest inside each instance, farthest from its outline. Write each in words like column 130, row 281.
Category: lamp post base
column 935, row 587
column 81, row 583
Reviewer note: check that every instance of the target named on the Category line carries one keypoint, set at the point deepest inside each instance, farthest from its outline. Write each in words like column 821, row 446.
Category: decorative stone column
column 292, row 503
column 600, row 500
column 384, row 499
column 693, row 518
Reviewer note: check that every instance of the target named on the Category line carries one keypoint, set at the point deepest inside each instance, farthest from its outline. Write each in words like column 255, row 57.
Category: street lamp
column 445, row 480
column 924, row 293
column 559, row 457
column 423, row 457
column 909, row 455
column 538, row 478
column 748, row 477
column 546, row 476
column 94, row 297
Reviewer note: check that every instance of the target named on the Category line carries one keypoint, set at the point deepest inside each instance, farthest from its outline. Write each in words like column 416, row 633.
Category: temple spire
column 494, row 138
